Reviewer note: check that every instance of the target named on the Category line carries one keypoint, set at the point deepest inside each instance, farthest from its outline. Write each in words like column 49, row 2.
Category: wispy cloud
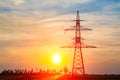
column 17, row 2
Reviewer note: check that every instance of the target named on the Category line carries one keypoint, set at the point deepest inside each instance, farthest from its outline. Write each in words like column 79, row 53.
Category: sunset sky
column 32, row 32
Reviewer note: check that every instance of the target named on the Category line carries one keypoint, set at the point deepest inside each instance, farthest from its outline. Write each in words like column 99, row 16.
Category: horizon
column 31, row 34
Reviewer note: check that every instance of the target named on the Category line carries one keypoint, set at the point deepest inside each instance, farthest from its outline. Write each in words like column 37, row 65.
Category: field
column 58, row 77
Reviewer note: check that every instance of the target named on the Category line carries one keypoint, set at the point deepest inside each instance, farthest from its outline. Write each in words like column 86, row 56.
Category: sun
column 56, row 58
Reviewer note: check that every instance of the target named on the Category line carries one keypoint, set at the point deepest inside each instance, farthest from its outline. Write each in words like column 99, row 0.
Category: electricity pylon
column 78, row 64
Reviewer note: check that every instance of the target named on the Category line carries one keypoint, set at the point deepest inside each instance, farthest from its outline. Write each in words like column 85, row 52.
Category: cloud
column 64, row 3
column 49, row 5
column 20, row 43
column 17, row 2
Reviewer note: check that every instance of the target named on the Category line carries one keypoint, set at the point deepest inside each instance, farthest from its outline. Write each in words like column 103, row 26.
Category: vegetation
column 19, row 74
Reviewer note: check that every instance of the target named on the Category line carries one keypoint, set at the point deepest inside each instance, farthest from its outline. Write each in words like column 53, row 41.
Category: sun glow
column 56, row 58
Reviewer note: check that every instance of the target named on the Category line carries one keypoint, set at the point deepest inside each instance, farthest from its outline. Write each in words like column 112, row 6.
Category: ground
column 58, row 77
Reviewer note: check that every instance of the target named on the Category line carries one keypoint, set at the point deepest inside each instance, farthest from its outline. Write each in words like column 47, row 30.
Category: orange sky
column 31, row 35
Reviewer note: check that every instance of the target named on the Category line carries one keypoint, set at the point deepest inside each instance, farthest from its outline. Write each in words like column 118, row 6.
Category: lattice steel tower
column 78, row 64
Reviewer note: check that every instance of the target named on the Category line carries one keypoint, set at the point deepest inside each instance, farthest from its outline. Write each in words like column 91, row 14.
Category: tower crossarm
column 82, row 28
column 82, row 46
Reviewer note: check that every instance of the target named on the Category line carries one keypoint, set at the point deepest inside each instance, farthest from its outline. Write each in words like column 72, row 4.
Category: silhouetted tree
column 65, row 69
column 53, row 71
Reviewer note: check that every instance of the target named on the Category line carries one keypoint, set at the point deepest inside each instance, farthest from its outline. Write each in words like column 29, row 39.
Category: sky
column 32, row 31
